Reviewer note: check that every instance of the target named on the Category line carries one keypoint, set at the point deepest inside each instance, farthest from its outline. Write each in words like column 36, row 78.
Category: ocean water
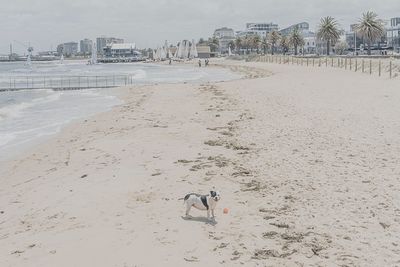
column 27, row 117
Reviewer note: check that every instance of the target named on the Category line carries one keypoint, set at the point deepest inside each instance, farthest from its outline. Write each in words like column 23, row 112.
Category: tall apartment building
column 68, row 49
column 86, row 46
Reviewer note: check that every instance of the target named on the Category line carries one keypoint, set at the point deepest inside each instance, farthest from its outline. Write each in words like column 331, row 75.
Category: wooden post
column 345, row 63
column 356, row 67
column 363, row 65
column 326, row 62
column 370, row 66
column 332, row 62
column 379, row 68
column 319, row 64
column 350, row 64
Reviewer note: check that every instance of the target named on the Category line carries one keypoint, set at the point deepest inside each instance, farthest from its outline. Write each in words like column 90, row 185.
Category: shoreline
column 305, row 160
column 114, row 92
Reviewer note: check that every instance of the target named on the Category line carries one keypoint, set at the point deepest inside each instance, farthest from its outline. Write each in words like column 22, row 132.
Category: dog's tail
column 182, row 198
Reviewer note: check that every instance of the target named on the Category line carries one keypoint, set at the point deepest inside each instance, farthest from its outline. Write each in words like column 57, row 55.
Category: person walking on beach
column 206, row 62
column 199, row 62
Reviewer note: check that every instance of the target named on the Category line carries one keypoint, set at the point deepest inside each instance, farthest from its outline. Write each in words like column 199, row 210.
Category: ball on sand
column 226, row 210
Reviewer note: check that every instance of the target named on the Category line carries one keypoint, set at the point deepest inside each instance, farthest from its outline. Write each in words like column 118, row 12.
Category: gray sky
column 46, row 23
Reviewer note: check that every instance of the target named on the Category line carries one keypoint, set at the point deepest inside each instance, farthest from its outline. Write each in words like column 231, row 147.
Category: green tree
column 370, row 28
column 214, row 44
column 329, row 32
column 341, row 48
column 238, row 44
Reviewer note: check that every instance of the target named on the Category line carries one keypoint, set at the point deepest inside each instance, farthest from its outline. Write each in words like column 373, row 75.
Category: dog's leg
column 188, row 210
column 212, row 213
column 208, row 214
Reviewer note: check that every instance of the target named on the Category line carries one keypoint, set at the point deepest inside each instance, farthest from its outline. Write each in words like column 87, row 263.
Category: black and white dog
column 202, row 202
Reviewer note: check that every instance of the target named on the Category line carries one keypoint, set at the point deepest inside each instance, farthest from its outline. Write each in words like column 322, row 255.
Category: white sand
column 307, row 161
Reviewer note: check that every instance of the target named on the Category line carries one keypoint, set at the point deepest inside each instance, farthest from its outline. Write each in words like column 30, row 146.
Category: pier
column 15, row 83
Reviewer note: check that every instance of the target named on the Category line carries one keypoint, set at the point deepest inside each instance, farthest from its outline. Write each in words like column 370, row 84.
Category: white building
column 262, row 29
column 393, row 34
column 120, row 51
column 225, row 36
column 303, row 27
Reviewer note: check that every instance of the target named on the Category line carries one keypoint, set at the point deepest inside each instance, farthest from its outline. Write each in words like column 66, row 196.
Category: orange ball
column 226, row 210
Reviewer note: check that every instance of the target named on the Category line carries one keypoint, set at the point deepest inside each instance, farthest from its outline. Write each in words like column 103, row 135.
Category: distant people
column 199, row 62
column 170, row 61
column 206, row 62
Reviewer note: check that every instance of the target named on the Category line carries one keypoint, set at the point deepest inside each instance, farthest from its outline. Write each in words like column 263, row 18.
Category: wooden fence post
column 370, row 66
column 379, row 68
column 363, row 66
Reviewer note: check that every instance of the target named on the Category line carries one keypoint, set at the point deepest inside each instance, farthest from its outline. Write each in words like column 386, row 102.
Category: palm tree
column 273, row 38
column 370, row 28
column 284, row 44
column 296, row 39
column 329, row 32
column 238, row 44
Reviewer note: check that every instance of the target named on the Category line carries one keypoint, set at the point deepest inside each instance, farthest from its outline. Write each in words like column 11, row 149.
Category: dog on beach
column 202, row 202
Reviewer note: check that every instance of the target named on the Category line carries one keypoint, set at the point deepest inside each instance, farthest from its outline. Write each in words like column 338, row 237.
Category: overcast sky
column 46, row 23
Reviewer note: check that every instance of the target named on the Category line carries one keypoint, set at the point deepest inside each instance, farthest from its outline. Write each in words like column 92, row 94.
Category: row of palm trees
column 369, row 27
column 272, row 42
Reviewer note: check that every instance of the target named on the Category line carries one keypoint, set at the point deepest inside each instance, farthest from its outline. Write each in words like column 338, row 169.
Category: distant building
column 303, row 27
column 86, row 46
column 393, row 34
column 68, row 49
column 224, row 36
column 224, row 32
column 261, row 29
column 103, row 42
column 121, row 51
column 310, row 44
column 352, row 39
column 394, row 22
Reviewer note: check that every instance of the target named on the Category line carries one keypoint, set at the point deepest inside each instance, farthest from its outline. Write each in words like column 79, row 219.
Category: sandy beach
column 307, row 161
